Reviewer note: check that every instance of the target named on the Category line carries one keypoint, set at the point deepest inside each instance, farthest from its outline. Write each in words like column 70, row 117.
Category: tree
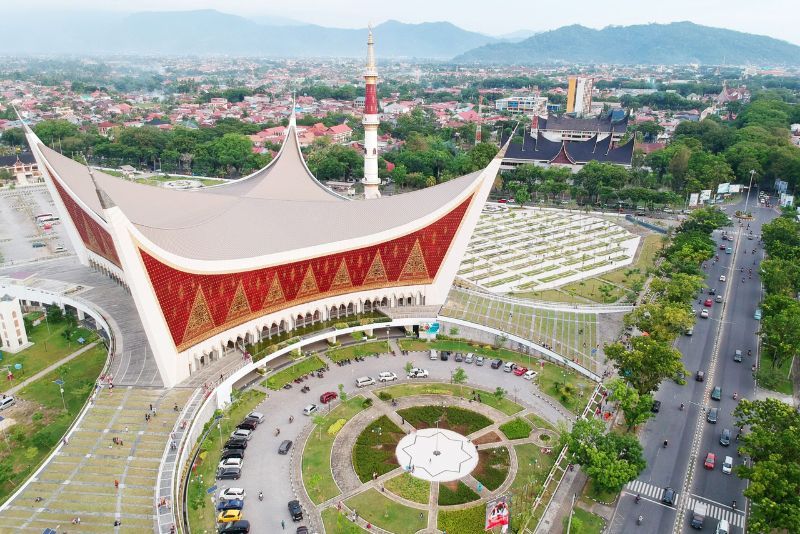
column 342, row 393
column 13, row 137
column 610, row 460
column 408, row 366
column 647, row 363
column 662, row 320
column 54, row 314
column 459, row 377
column 320, row 421
column 680, row 288
column 780, row 328
column 500, row 393
column 773, row 444
column 480, row 155
column 635, row 407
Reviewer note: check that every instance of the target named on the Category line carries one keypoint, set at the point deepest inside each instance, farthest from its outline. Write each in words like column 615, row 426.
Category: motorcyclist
column 638, row 497
column 735, row 395
column 260, row 495
column 665, row 444
column 681, row 406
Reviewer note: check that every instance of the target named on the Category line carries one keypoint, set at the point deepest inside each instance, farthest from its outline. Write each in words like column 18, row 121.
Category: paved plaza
column 437, row 455
column 534, row 249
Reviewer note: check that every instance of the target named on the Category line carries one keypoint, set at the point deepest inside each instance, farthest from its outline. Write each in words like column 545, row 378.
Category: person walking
column 116, row 483
column 283, row 524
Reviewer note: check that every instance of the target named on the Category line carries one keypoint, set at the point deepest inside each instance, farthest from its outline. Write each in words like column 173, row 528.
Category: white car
column 529, row 375
column 257, row 416
column 230, row 494
column 704, row 314
column 230, row 462
column 416, row 372
column 308, row 410
column 242, row 433
column 386, row 376
column 722, row 278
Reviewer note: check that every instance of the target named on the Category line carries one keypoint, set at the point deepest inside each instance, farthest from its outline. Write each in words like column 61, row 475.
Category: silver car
column 469, row 358
column 479, row 360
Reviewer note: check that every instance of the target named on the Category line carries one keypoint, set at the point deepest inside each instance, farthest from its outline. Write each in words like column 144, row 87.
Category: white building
column 12, row 327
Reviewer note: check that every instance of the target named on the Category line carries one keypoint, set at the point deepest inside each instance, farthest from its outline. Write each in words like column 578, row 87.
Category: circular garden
column 351, row 471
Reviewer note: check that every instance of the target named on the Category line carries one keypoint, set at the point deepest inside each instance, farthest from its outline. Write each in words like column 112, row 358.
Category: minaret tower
column 480, row 116
column 370, row 122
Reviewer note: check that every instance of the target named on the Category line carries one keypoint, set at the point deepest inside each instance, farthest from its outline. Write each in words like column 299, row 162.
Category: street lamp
column 752, row 173
column 60, row 384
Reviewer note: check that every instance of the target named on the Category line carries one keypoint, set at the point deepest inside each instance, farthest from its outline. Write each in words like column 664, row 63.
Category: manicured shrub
column 460, row 495
column 336, row 427
column 374, row 451
column 516, row 429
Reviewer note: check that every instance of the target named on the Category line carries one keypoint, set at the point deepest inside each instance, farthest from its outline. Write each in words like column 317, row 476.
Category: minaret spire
column 371, row 121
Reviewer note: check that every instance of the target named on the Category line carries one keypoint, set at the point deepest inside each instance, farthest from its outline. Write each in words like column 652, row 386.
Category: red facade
column 371, row 99
column 94, row 237
column 198, row 306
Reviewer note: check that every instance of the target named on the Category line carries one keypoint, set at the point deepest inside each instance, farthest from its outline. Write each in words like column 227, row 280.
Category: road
column 690, row 437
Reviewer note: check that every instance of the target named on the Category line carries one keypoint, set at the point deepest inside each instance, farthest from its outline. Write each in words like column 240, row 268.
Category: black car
column 229, row 473
column 301, row 530
column 656, row 406
column 232, row 453
column 444, row 355
column 459, row 357
column 497, row 363
column 725, row 437
column 669, row 496
column 235, row 443
column 295, row 510
column 235, row 527
column 700, row 376
column 712, row 291
column 248, row 424
column 285, row 446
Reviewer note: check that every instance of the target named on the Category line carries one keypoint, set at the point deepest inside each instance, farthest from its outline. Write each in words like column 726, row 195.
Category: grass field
column 41, row 427
column 409, row 390
column 337, row 523
column 533, row 466
column 363, row 349
column 568, row 388
column 584, row 522
column 317, row 454
column 284, row 376
column 466, row 521
column 49, row 346
column 201, row 513
column 387, row 514
column 409, row 487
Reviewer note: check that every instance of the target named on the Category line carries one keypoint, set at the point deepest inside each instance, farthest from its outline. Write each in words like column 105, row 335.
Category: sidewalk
column 50, row 368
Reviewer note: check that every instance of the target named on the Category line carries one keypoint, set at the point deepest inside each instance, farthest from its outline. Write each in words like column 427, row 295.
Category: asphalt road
column 732, row 323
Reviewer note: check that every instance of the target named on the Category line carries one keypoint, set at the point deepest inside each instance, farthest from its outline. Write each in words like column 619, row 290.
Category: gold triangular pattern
column 275, row 294
column 90, row 237
column 415, row 267
column 376, row 272
column 309, row 284
column 200, row 319
column 239, row 305
column 342, row 278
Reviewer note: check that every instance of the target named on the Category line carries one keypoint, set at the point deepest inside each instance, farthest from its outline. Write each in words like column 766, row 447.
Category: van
column 508, row 367
column 364, row 381
column 7, row 402
column 722, row 527
column 699, row 515
column 433, row 355
column 727, row 465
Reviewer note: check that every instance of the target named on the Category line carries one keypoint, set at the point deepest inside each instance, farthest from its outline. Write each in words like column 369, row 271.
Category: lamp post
column 60, row 383
column 747, row 200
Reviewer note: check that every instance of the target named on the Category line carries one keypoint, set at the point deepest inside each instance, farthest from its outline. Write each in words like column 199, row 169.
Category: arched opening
column 334, row 312
column 350, row 309
column 367, row 306
column 384, row 301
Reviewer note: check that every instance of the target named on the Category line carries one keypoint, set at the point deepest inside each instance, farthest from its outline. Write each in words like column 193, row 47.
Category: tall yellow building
column 579, row 95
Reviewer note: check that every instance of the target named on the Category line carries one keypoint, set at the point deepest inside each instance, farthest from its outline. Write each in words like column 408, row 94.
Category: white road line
column 719, row 511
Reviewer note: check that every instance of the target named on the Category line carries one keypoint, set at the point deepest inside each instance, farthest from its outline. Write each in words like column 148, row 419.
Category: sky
column 775, row 18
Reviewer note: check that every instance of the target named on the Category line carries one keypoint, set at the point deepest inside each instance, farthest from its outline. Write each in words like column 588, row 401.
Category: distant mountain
column 205, row 32
column 276, row 20
column 653, row 44
column 517, row 36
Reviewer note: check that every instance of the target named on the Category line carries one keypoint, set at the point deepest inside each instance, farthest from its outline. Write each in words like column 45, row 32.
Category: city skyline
column 358, row 13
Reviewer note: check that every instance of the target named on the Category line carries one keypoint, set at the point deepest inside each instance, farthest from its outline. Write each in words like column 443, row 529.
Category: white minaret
column 370, row 122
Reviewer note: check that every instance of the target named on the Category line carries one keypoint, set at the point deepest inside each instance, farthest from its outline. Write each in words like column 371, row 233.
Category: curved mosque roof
column 279, row 208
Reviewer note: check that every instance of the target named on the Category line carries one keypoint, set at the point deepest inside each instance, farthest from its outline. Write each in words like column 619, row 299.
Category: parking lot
column 19, row 231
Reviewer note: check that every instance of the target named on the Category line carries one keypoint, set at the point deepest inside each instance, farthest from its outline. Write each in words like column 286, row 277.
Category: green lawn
column 567, row 387
column 466, row 521
column 337, row 523
column 409, row 390
column 374, row 451
column 317, row 454
column 597, row 494
column 284, row 376
column 539, row 422
column 533, row 466
column 409, row 487
column 387, row 514
column 459, row 420
column 492, row 467
column 584, row 522
column 456, row 493
column 49, row 346
column 517, row 428
column 775, row 379
column 363, row 349
column 31, row 440
column 201, row 513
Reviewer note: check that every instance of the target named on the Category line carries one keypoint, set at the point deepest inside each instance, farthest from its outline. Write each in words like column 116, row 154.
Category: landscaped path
column 50, row 368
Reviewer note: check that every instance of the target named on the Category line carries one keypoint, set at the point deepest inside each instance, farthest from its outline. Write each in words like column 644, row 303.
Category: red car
column 327, row 397
column 711, row 459
column 519, row 371
column 708, row 303
column 722, row 246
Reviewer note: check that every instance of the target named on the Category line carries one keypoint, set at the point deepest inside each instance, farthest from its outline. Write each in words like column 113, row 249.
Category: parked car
column 737, row 355
column 433, row 355
column 387, row 376
column 258, row 417
column 231, row 504
column 711, row 460
column 242, row 433
column 479, row 360
column 364, row 381
column 716, row 393
column 725, row 437
column 509, row 367
column 459, row 357
column 228, row 516
column 301, row 530
column 7, row 402
column 308, row 410
column 284, row 447
column 656, row 407
column 229, row 473
column 519, row 370
column 247, row 424
column 444, row 355
column 233, row 493
column 416, row 372
column 530, row 375
column 295, row 510
column 231, row 462
column 669, row 496
column 236, row 527
column 327, row 397
column 497, row 363
column 235, row 443
column 38, row 244
column 469, row 358
column 232, row 453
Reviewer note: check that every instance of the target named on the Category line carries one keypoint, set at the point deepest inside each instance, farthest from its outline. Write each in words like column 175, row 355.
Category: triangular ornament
column 342, row 278
column 309, row 284
column 239, row 306
column 200, row 320
column 376, row 272
column 415, row 268
column 275, row 294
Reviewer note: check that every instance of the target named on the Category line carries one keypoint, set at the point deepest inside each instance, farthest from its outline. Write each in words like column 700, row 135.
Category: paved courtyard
column 534, row 249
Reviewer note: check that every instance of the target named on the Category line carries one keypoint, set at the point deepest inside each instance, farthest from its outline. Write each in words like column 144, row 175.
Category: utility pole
column 752, row 172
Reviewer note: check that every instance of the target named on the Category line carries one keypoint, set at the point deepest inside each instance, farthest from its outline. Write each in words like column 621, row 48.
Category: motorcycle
column 638, row 498
column 260, row 496
column 639, row 520
column 681, row 406
column 287, row 386
column 665, row 444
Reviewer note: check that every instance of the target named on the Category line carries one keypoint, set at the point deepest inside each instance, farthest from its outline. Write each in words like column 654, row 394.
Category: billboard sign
column 498, row 512
column 705, row 195
column 723, row 188
column 781, row 186
column 735, row 188
column 693, row 199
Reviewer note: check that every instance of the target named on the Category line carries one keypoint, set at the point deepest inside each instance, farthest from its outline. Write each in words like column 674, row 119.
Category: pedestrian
column 126, row 429
column 283, row 524
column 151, row 407
column 154, row 413
column 117, row 522
column 116, row 483
column 339, row 506
column 402, row 420
column 421, row 515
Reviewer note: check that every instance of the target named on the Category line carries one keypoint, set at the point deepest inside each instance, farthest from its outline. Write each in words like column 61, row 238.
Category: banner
column 498, row 512
column 786, row 200
column 723, row 188
column 736, row 188
column 705, row 195
column 780, row 186
column 693, row 199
